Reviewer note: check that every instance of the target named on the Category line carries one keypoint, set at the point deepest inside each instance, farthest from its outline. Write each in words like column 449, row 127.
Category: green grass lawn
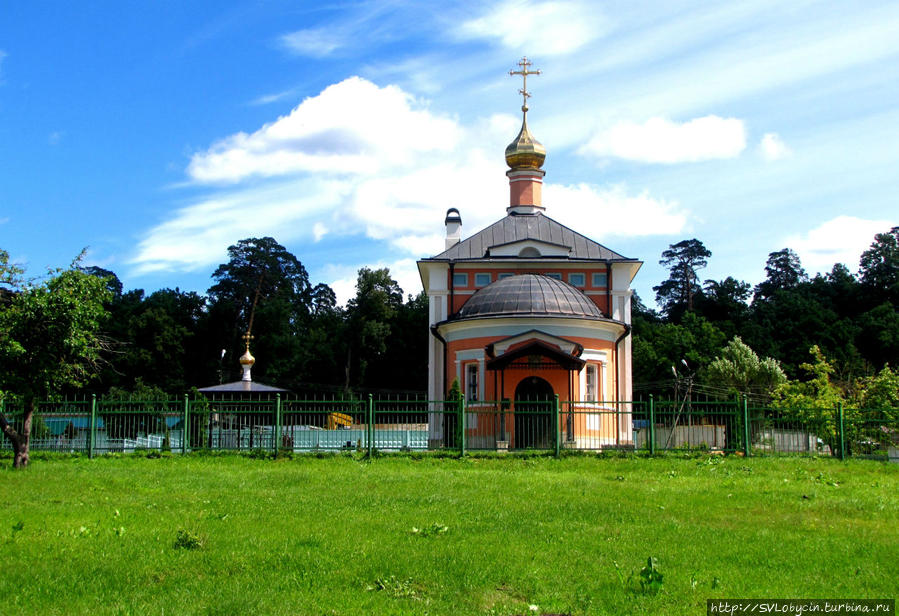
column 233, row 535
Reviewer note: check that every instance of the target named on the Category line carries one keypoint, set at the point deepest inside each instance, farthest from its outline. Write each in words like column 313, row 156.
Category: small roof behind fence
column 241, row 386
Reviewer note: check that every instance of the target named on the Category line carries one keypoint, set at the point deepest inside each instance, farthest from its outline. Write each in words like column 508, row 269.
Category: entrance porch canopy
column 536, row 348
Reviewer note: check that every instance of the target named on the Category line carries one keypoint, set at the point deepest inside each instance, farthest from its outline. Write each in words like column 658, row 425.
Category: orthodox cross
column 524, row 63
column 247, row 337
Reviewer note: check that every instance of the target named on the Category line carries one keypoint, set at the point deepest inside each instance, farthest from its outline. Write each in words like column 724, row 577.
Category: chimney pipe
column 453, row 227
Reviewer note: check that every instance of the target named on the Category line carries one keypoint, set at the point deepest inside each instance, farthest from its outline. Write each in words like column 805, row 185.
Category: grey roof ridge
column 469, row 239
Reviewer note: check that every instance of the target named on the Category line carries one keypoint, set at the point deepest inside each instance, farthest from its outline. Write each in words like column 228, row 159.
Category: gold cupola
column 525, row 152
column 247, row 360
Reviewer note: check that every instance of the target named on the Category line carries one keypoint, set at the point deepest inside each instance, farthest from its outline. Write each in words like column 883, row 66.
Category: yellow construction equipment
column 339, row 419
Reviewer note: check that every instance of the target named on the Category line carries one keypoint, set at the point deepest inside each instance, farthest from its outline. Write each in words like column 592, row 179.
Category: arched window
column 529, row 251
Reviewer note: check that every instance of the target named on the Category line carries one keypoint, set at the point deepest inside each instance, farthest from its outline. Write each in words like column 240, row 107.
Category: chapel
column 523, row 311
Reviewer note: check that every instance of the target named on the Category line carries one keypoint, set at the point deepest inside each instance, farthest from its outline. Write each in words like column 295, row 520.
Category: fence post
column 556, row 425
column 746, row 448
column 277, row 433
column 92, row 435
column 652, row 426
column 185, row 431
column 842, row 433
column 462, row 425
column 370, row 425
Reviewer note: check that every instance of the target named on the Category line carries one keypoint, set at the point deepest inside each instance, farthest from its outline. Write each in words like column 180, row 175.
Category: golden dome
column 247, row 359
column 525, row 152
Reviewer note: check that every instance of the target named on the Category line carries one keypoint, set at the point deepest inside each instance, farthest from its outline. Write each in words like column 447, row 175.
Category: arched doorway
column 533, row 413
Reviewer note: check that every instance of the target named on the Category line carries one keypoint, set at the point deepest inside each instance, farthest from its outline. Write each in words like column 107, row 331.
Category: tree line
column 172, row 340
column 794, row 341
column 787, row 331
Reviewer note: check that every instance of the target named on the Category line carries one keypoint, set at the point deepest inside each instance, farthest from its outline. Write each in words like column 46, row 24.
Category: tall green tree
column 370, row 316
column 784, row 271
column 724, row 303
column 160, row 344
column 784, row 325
column 677, row 294
column 262, row 279
column 878, row 335
column 659, row 346
column 113, row 284
column 838, row 290
column 405, row 364
column 879, row 266
column 263, row 265
column 51, row 340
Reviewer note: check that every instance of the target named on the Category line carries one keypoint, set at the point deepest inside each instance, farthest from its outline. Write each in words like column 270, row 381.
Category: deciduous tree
column 879, row 265
column 724, row 303
column 813, row 401
column 739, row 370
column 282, row 310
column 370, row 315
column 51, row 340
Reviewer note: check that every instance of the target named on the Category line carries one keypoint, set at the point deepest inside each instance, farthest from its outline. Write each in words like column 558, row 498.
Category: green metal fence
column 368, row 423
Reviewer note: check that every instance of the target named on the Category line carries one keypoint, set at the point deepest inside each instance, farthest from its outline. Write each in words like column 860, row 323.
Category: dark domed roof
column 529, row 294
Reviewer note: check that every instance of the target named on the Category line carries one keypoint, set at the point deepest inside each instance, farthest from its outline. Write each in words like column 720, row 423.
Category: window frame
column 588, row 395
column 583, row 278
column 596, row 276
column 460, row 276
column 472, row 381
column 481, row 275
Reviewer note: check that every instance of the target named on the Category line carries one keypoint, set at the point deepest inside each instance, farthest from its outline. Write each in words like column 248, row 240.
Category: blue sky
column 158, row 133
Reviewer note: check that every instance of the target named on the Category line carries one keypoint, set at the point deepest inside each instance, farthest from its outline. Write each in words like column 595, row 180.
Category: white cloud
column 659, row 140
column 351, row 127
column 772, row 147
column 684, row 60
column 602, row 212
column 840, row 240
column 344, row 289
column 198, row 234
column 317, row 43
column 267, row 99
column 540, row 28
column 400, row 169
column 319, row 231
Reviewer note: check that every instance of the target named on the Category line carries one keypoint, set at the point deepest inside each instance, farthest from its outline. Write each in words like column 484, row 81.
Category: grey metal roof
column 529, row 294
column 241, row 386
column 518, row 227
